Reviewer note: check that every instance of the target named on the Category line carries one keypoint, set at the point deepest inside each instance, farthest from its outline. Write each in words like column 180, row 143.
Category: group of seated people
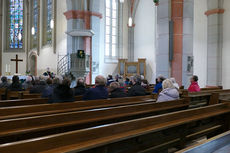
column 58, row 89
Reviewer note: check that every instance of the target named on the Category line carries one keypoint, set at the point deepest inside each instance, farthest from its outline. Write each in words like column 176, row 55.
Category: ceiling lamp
column 130, row 23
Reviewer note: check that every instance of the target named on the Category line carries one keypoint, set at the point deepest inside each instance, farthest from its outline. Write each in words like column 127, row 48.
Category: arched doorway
column 33, row 65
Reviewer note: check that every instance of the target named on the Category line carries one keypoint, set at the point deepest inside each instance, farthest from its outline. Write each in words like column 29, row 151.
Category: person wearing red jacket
column 194, row 87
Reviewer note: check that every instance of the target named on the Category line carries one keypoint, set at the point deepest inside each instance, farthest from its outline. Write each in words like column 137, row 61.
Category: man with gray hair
column 136, row 89
column 99, row 92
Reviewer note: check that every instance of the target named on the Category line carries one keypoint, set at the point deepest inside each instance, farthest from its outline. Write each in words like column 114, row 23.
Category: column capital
column 214, row 11
column 77, row 14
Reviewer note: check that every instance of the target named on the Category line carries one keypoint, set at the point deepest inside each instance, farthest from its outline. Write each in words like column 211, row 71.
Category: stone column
column 215, row 40
column 188, row 15
column 162, row 46
column 96, row 24
column 79, row 29
column 132, row 5
column 1, row 4
column 131, row 44
column 177, row 18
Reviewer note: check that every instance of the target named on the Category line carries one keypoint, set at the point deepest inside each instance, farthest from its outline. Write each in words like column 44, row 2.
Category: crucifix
column 17, row 60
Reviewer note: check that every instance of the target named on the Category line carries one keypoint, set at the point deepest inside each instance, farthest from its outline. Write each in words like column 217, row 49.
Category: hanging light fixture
column 33, row 31
column 122, row 1
column 130, row 23
column 51, row 23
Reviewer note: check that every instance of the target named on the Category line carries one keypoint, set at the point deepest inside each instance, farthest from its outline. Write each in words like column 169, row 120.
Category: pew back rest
column 104, row 135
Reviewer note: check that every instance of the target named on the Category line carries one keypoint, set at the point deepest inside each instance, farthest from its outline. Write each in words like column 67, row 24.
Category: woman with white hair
column 169, row 92
column 174, row 83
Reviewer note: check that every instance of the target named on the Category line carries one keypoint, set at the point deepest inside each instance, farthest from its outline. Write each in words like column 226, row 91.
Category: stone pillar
column 79, row 29
column 177, row 18
column 1, row 4
column 131, row 44
column 215, row 41
column 132, row 5
column 96, row 24
column 162, row 46
column 188, row 17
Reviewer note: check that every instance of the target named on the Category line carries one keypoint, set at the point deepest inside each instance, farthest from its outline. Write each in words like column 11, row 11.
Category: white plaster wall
column 226, row 46
column 47, row 57
column 144, row 36
column 200, row 41
column 6, row 59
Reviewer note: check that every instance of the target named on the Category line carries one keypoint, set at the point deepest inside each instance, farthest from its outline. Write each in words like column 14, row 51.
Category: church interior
column 114, row 76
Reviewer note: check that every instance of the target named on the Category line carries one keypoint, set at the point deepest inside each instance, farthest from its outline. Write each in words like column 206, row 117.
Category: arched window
column 16, row 22
column 48, row 21
column 34, row 24
column 111, row 29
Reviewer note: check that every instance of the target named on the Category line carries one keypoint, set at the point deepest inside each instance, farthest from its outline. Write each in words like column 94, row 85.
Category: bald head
column 100, row 81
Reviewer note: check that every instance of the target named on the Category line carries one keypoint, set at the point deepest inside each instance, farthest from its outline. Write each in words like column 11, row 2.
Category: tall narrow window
column 34, row 29
column 48, row 22
column 16, row 24
column 111, row 28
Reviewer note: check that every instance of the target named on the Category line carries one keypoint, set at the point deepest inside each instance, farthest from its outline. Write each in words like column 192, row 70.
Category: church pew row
column 217, row 144
column 31, row 127
column 218, row 97
column 150, row 134
column 23, row 102
column 202, row 98
column 45, row 109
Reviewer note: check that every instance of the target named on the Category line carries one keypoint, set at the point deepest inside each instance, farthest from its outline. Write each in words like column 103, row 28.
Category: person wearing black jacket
column 16, row 85
column 62, row 93
column 116, row 91
column 80, row 88
column 136, row 89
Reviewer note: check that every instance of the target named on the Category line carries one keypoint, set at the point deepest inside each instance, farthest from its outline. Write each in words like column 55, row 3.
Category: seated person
column 39, row 86
column 48, row 73
column 99, row 92
column 109, row 80
column 62, row 93
column 136, row 89
column 175, row 83
column 16, row 85
column 145, row 84
column 169, row 92
column 80, row 88
column 158, row 86
column 48, row 91
column 116, row 91
column 194, row 87
column 127, row 82
column 4, row 83
column 28, row 83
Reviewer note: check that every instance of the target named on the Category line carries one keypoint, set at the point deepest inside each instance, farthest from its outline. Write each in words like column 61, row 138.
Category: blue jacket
column 99, row 92
column 157, row 87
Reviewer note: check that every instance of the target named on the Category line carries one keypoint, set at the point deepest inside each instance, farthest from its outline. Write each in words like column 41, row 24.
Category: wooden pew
column 218, row 97
column 25, row 128
column 30, row 96
column 218, row 144
column 2, row 93
column 15, row 94
column 23, row 102
column 211, row 88
column 201, row 98
column 44, row 109
column 151, row 134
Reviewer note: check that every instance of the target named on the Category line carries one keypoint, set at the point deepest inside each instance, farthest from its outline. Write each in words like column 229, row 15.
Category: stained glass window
column 16, row 24
column 111, row 28
column 35, row 23
column 49, row 21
